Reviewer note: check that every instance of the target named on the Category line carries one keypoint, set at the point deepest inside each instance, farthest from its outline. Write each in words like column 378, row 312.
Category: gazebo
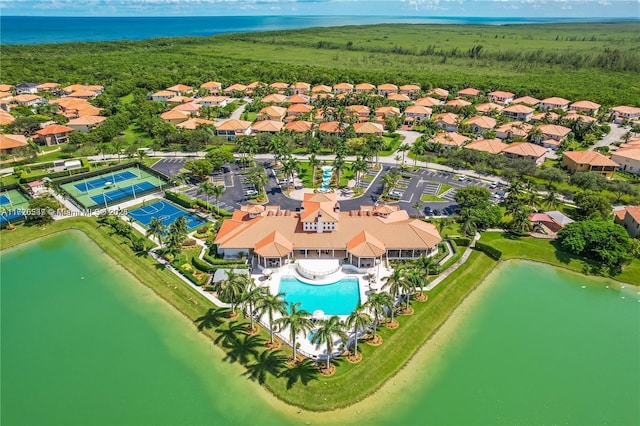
column 273, row 250
column 364, row 249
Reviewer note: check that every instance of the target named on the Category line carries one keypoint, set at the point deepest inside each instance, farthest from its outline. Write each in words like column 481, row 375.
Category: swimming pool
column 339, row 298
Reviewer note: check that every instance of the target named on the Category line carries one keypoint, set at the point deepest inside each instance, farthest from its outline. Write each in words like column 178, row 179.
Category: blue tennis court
column 166, row 212
column 10, row 215
column 119, row 193
column 4, row 200
column 103, row 180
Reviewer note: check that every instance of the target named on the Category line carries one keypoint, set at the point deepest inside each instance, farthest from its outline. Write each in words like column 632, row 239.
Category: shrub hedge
column 490, row 251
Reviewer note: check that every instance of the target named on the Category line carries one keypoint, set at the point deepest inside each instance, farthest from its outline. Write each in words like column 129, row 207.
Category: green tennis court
column 13, row 202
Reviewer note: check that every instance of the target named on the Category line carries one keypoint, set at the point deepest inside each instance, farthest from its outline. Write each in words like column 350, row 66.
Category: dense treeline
column 602, row 70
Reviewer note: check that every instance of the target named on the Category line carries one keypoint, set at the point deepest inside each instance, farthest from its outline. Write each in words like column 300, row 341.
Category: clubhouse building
column 272, row 237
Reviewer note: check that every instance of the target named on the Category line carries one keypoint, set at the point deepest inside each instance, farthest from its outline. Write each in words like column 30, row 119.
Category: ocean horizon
column 64, row 29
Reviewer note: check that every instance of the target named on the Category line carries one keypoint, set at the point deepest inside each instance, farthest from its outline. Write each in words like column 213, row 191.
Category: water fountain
column 327, row 172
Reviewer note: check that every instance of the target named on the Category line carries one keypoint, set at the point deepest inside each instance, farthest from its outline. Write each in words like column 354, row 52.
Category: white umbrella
column 267, row 272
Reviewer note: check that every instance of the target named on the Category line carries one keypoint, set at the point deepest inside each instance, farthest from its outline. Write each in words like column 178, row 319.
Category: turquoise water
column 339, row 298
column 59, row 29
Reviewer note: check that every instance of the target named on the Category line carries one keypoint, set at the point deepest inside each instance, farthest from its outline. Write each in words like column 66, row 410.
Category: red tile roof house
column 527, row 100
column 416, row 112
column 449, row 139
column 368, row 129
column 387, row 89
column 491, row 146
column 624, row 113
column 8, row 143
column 281, row 88
column 365, row 88
column 554, row 103
column 271, row 113
column 213, row 87
column 53, row 134
column 410, row 90
column 28, row 100
column 518, row 112
column 213, row 101
column 585, row 106
column 235, row 90
column 331, row 127
column 163, row 95
column 267, row 126
column 36, row 187
column 428, row 102
column 299, row 126
column 447, row 121
column 296, row 110
column 298, row 99
column 500, row 97
column 439, row 93
column 628, row 158
column 589, row 161
column 180, row 89
column 469, row 92
column 551, row 132
column 360, row 111
column 525, row 151
column 301, row 88
column 489, row 107
column 343, row 88
column 85, row 123
column 513, row 130
column 629, row 217
column 481, row 123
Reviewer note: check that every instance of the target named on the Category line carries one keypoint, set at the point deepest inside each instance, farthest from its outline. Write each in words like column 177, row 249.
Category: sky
column 416, row 8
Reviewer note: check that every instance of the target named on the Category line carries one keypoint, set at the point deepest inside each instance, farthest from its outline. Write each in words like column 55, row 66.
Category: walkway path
column 455, row 266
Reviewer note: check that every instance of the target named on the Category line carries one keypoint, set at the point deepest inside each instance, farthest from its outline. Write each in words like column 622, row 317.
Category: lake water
column 534, row 347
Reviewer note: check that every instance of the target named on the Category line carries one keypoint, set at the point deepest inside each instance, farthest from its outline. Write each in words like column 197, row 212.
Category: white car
column 462, row 178
column 250, row 193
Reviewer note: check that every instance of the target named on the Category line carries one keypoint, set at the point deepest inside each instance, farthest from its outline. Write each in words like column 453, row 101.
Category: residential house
column 85, row 123
column 299, row 126
column 48, row 87
column 501, row 97
column 361, row 112
column 253, row 86
column 181, row 89
column 439, row 93
column 321, row 88
column 274, row 98
column 76, row 87
column 624, row 113
column 427, row 102
column 53, row 134
column 343, row 88
column 449, row 139
column 235, row 90
column 10, row 143
column 194, row 123
column 296, row 110
column 629, row 217
column 273, row 237
column 271, row 112
column 368, row 128
column 491, row 146
column 387, row 89
column 416, row 112
column 481, row 123
column 174, row 116
column 399, row 97
column 213, row 101
column 410, row 90
column 213, row 87
column 6, row 88
column 267, row 126
column 6, row 118
column 513, row 130
column 586, row 106
column 575, row 116
column 457, row 103
column 83, row 94
column 628, row 158
column 26, row 88
column 554, row 103
column 489, row 107
column 551, row 135
column 518, row 112
column 28, row 100
column 331, row 127
column 74, row 108
column 365, row 88
column 527, row 100
column 191, row 108
column 179, row 99
column 589, row 161
column 447, row 121
column 544, row 117
column 301, row 88
column 549, row 223
column 280, row 87
column 233, row 128
column 162, row 96
column 385, row 112
column 298, row 99
column 468, row 92
column 525, row 151
column 36, row 187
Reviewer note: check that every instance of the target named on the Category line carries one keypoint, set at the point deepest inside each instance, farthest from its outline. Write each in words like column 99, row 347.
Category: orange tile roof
column 634, row 212
column 410, row 88
column 4, row 95
column 492, row 146
column 343, row 86
column 5, row 87
column 180, row 99
column 573, row 115
column 211, row 85
column 190, row 107
column 458, row 103
column 54, row 129
column 26, row 98
column 489, row 106
column 554, row 130
column 272, row 111
column 440, row 92
column 365, row 86
column 274, row 98
column 12, row 141
column 545, row 115
column 256, row 84
column 501, row 94
column 450, row 138
column 588, row 105
column 271, row 126
column 174, row 115
column 232, row 124
column 387, row 87
column 358, row 109
column 518, row 128
column 180, row 88
column 273, row 245
column 47, row 86
column 398, row 97
column 518, row 109
column 214, row 99
column 82, row 94
column 164, row 93
column 528, row 100
column 298, row 99
column 525, row 149
column 626, row 109
column 388, row 110
column 89, row 120
column 631, row 153
column 193, row 123
column 556, row 101
column 300, row 108
column 330, row 127
column 321, row 88
column 590, row 157
column 236, row 88
column 365, row 245
column 6, row 118
column 301, row 85
column 279, row 85
column 418, row 109
column 482, row 121
column 368, row 128
column 469, row 91
column 428, row 102
column 447, row 118
column 299, row 126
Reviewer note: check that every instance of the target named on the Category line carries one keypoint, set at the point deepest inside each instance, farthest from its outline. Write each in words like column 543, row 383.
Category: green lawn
column 548, row 251
column 134, row 135
column 443, row 188
column 249, row 116
column 53, row 156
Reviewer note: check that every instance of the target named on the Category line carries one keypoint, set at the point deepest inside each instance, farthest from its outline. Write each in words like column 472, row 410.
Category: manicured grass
column 392, row 145
column 249, row 116
column 548, row 251
column 133, row 134
column 52, row 156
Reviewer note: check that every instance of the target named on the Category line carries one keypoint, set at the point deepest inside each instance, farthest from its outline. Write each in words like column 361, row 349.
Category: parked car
column 493, row 185
column 428, row 211
column 436, row 212
column 250, row 193
column 462, row 178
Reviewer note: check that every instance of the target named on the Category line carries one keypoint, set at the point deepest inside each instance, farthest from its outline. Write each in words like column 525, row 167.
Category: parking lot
column 169, row 166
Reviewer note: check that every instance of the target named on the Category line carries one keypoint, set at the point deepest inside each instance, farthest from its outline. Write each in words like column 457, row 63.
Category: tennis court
column 113, row 187
column 12, row 203
column 166, row 212
column 105, row 180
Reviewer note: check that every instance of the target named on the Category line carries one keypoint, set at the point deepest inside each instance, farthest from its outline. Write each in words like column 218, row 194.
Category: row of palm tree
column 169, row 237
column 211, row 190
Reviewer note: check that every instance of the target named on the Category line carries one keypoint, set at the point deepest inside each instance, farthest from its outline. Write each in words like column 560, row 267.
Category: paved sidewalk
column 455, row 266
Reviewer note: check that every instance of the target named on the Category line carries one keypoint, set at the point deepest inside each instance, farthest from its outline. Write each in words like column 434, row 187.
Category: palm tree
column 326, row 331
column 394, row 285
column 298, row 321
column 252, row 294
column 217, row 192
column 231, row 289
column 304, row 372
column 418, row 207
column 177, row 235
column 359, row 319
column 271, row 304
column 404, row 148
column 416, row 279
column 267, row 362
column 289, row 168
column 338, row 167
column 258, row 178
column 424, row 263
column 551, row 199
column 156, row 229
column 313, row 162
column 359, row 166
column 206, row 188
column 376, row 304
